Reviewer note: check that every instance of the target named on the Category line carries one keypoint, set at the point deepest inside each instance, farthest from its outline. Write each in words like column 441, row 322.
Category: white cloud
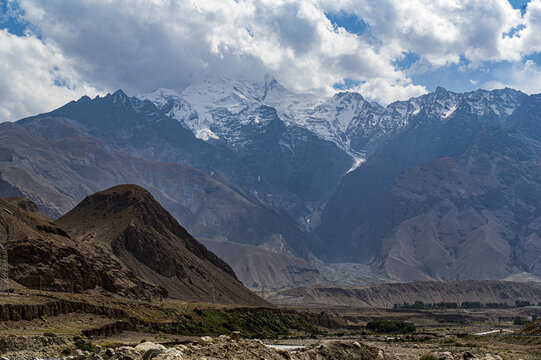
column 440, row 31
column 524, row 76
column 140, row 45
column 36, row 77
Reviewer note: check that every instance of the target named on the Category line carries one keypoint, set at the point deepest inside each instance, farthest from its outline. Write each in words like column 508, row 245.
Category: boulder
column 79, row 355
column 445, row 356
column 224, row 338
column 206, row 339
column 109, row 353
column 170, row 354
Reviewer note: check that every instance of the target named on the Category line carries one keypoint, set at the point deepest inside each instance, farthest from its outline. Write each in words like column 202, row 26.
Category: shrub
column 391, row 326
column 428, row 357
column 82, row 344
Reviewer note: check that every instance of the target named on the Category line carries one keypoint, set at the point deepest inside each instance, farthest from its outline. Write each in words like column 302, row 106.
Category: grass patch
column 252, row 323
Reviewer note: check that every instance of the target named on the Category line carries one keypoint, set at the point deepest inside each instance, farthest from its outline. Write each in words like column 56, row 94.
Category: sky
column 54, row 51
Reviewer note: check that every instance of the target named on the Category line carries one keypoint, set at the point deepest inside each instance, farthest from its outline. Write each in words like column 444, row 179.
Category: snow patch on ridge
column 449, row 112
column 357, row 161
column 205, row 134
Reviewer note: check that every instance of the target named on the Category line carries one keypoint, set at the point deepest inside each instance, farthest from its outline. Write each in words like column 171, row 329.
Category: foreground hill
column 127, row 222
column 386, row 295
column 120, row 241
column 42, row 255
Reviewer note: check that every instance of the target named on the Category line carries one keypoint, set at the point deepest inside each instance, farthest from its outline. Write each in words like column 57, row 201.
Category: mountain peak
column 349, row 95
column 269, row 80
column 441, row 91
column 120, row 94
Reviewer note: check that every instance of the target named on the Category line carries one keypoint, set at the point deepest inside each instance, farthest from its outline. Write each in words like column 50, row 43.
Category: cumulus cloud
column 524, row 76
column 140, row 45
column 35, row 77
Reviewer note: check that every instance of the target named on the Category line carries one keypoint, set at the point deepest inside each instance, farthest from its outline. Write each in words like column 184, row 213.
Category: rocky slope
column 532, row 329
column 127, row 222
column 471, row 215
column 442, row 124
column 386, row 295
column 260, row 269
column 42, row 255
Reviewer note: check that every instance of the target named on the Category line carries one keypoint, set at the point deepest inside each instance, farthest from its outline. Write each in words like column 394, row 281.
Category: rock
column 224, row 338
column 126, row 353
column 171, row 354
column 206, row 339
column 356, row 344
column 445, row 356
column 109, row 352
column 323, row 347
column 97, row 349
column 381, row 356
column 152, row 353
column 236, row 335
column 147, row 345
column 96, row 357
column 491, row 357
column 79, row 355
column 468, row 355
column 50, row 334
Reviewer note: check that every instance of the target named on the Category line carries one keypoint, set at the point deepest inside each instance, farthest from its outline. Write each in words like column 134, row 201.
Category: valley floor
column 36, row 324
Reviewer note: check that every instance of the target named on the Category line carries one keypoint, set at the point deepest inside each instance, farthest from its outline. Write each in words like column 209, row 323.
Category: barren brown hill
column 257, row 267
column 27, row 205
column 42, row 255
column 128, row 223
column 386, row 295
column 533, row 328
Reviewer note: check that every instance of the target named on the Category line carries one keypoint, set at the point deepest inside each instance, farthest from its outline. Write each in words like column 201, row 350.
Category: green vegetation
column 251, row 323
column 428, row 357
column 82, row 344
column 520, row 303
column 464, row 305
column 518, row 320
column 391, row 326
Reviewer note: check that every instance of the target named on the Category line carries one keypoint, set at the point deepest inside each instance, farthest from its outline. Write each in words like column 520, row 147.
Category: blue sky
column 55, row 51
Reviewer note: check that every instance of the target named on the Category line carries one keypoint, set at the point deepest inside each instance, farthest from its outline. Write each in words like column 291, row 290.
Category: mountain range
column 444, row 186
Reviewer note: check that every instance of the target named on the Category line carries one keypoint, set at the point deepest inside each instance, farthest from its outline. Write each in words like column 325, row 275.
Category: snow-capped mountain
column 220, row 108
